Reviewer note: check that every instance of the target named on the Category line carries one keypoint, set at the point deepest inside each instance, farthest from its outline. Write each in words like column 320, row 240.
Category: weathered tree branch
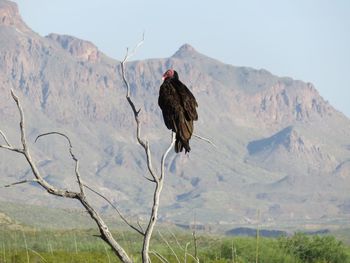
column 182, row 248
column 156, row 179
column 140, row 231
column 80, row 196
column 204, row 139
column 5, row 139
column 159, row 256
column 10, row 148
column 155, row 206
column 177, row 241
column 168, row 245
column 76, row 169
column 142, row 142
column 21, row 182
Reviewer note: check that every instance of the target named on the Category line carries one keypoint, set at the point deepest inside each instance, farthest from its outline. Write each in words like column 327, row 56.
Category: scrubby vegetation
column 315, row 248
column 84, row 246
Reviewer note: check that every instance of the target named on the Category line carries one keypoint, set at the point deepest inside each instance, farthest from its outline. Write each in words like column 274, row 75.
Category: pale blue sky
column 303, row 39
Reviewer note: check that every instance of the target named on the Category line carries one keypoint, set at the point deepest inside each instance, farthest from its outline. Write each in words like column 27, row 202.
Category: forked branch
column 204, row 139
column 138, row 230
column 21, row 182
column 5, row 139
column 80, row 196
column 156, row 179
column 77, row 174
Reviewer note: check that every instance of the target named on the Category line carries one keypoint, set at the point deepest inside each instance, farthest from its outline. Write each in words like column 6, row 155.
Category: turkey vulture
column 178, row 106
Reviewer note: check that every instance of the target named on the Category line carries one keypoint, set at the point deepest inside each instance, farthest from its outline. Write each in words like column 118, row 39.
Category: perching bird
column 179, row 109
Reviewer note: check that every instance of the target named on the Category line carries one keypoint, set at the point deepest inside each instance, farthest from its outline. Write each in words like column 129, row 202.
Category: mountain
column 281, row 148
column 289, row 150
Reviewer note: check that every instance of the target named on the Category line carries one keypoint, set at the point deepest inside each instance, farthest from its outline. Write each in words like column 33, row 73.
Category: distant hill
column 281, row 148
column 244, row 231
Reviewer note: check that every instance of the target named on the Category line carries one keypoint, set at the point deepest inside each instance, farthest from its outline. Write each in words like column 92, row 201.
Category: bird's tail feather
column 184, row 130
column 181, row 144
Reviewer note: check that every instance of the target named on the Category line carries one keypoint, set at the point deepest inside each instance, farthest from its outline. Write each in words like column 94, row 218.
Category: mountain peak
column 286, row 126
column 9, row 15
column 185, row 50
column 81, row 49
column 284, row 137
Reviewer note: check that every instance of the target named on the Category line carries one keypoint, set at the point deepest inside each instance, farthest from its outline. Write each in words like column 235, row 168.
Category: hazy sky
column 303, row 39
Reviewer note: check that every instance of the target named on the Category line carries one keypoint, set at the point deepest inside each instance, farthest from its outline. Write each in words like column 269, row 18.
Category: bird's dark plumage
column 179, row 109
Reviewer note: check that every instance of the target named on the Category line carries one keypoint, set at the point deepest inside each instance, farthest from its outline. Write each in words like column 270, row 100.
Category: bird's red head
column 168, row 74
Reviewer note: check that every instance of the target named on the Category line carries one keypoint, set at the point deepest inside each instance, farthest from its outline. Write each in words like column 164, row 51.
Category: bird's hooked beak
column 163, row 78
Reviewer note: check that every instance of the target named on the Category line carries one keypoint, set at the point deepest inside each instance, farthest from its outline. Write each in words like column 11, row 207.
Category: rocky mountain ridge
column 281, row 148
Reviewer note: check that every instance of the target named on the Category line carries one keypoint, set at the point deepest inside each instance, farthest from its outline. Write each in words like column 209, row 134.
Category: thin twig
column 5, row 139
column 204, row 139
column 57, row 133
column 11, row 149
column 21, row 182
column 26, row 245
column 141, row 228
column 195, row 237
column 151, row 180
column 128, row 55
column 75, row 159
column 162, row 169
column 21, row 123
column 105, row 233
column 25, row 151
column 116, row 209
column 177, row 241
column 159, row 256
column 109, row 260
column 4, row 252
column 37, row 253
column 167, row 243
column 133, row 51
column 196, row 259
column 187, row 244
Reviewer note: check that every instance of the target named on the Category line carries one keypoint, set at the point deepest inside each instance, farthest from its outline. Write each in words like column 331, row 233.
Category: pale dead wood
column 38, row 254
column 142, row 142
column 76, row 169
column 140, row 231
column 155, row 205
column 175, row 238
column 11, row 148
column 187, row 244
column 21, row 182
column 195, row 259
column 139, row 224
column 156, row 179
column 168, row 245
column 5, row 139
column 159, row 256
column 204, row 139
column 183, row 248
column 80, row 196
column 151, row 180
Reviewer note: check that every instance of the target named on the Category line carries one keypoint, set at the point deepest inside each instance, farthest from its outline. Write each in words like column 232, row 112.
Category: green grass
column 85, row 246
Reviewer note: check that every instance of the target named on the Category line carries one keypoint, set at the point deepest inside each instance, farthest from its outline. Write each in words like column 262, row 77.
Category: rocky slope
column 281, row 147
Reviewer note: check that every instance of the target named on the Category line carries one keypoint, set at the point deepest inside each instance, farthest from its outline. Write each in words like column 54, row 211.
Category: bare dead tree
column 24, row 150
column 157, row 179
